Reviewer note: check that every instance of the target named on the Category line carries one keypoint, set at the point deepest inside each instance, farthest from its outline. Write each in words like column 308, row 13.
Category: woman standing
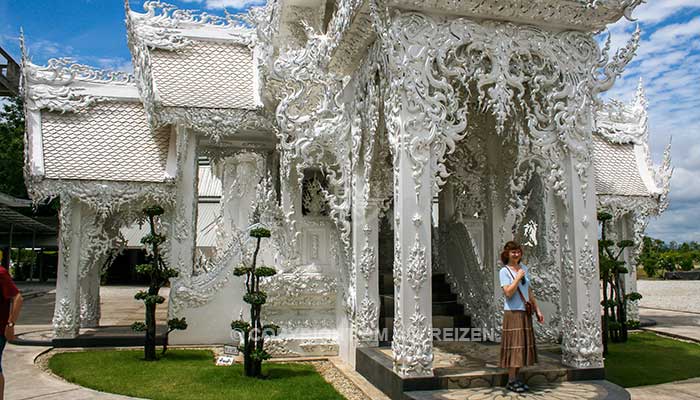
column 518, row 339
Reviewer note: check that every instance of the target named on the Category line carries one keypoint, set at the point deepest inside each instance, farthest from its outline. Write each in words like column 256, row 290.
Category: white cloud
column 113, row 63
column 654, row 12
column 233, row 3
column 675, row 31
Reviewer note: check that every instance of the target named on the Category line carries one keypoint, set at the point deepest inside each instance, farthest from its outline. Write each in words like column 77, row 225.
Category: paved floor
column 670, row 295
column 681, row 390
column 119, row 308
column 674, row 323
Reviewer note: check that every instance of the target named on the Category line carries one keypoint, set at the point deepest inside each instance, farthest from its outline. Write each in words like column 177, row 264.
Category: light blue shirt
column 515, row 302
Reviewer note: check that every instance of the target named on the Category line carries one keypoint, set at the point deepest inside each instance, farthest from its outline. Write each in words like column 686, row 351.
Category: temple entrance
column 450, row 319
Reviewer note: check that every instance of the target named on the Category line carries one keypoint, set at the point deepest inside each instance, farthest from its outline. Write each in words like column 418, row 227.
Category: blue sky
column 93, row 32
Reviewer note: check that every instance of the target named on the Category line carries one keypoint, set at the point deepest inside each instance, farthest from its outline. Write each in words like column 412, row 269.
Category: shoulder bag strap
column 519, row 292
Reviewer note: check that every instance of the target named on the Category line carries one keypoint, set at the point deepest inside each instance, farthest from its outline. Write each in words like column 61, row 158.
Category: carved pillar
column 66, row 318
column 90, row 296
column 582, row 342
column 365, row 232
column 97, row 240
column 626, row 229
column 183, row 234
column 412, row 344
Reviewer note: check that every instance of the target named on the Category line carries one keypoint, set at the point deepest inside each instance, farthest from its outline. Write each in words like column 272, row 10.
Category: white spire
column 640, row 101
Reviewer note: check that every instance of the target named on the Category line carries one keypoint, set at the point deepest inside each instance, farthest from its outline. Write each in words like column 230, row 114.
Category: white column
column 626, row 229
column 365, row 239
column 582, row 343
column 66, row 318
column 90, row 296
column 412, row 344
column 183, row 225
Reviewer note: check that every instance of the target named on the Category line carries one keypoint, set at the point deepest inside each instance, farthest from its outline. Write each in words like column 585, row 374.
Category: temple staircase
column 447, row 312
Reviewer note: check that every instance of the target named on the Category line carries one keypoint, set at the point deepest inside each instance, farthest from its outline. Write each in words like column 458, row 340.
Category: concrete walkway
column 679, row 324
column 24, row 380
column 681, row 390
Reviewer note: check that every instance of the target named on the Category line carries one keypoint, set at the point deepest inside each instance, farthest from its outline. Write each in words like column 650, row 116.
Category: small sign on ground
column 224, row 361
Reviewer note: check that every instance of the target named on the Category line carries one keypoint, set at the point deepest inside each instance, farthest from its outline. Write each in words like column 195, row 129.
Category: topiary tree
column 159, row 275
column 254, row 332
column 612, row 269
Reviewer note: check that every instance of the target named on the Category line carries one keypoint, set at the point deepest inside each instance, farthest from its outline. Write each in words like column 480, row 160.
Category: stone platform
column 586, row 390
column 473, row 366
column 104, row 336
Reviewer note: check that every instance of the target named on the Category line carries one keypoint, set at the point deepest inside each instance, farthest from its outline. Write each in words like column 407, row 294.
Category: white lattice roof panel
column 206, row 75
column 617, row 169
column 109, row 141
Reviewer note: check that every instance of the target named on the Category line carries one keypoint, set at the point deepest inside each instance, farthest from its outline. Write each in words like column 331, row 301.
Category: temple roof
column 108, row 141
column 621, row 154
column 89, row 124
column 206, row 75
column 618, row 170
column 192, row 60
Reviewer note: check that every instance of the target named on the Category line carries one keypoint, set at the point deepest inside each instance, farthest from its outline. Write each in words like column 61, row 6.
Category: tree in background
column 12, row 145
column 254, row 332
column 159, row 275
column 612, row 270
column 658, row 257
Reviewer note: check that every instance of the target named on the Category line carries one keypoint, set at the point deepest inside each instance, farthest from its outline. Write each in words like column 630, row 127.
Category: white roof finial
column 640, row 98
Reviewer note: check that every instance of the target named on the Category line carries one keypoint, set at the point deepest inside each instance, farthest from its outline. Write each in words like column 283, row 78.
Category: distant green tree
column 12, row 145
column 650, row 256
column 657, row 256
column 159, row 275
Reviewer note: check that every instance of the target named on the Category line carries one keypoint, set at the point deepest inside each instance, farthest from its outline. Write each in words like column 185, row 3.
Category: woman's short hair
column 511, row 245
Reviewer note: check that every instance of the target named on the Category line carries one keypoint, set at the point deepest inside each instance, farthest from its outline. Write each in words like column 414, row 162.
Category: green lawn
column 649, row 359
column 187, row 374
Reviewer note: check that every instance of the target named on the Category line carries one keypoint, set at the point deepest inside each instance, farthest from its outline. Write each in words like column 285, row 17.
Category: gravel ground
column 339, row 381
column 670, row 295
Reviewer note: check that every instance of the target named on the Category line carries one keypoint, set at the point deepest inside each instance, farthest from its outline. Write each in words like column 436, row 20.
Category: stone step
column 451, row 308
column 439, row 322
column 443, row 295
column 446, row 308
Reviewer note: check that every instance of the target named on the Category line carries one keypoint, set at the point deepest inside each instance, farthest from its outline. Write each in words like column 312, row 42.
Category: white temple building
column 392, row 147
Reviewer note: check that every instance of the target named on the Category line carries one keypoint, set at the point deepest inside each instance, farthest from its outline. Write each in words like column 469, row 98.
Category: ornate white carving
column 582, row 346
column 217, row 124
column 412, row 345
column 417, row 270
column 164, row 26
column 461, row 53
column 301, row 347
column 65, row 322
column 587, row 266
column 300, row 289
column 367, row 319
column 105, row 197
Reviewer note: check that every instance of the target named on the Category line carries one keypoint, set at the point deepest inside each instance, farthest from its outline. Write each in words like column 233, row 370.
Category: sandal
column 514, row 387
column 522, row 385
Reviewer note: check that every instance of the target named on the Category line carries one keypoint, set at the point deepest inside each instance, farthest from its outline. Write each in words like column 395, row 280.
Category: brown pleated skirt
column 517, row 340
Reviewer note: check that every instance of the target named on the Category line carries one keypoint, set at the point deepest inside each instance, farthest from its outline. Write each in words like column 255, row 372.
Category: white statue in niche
column 313, row 201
